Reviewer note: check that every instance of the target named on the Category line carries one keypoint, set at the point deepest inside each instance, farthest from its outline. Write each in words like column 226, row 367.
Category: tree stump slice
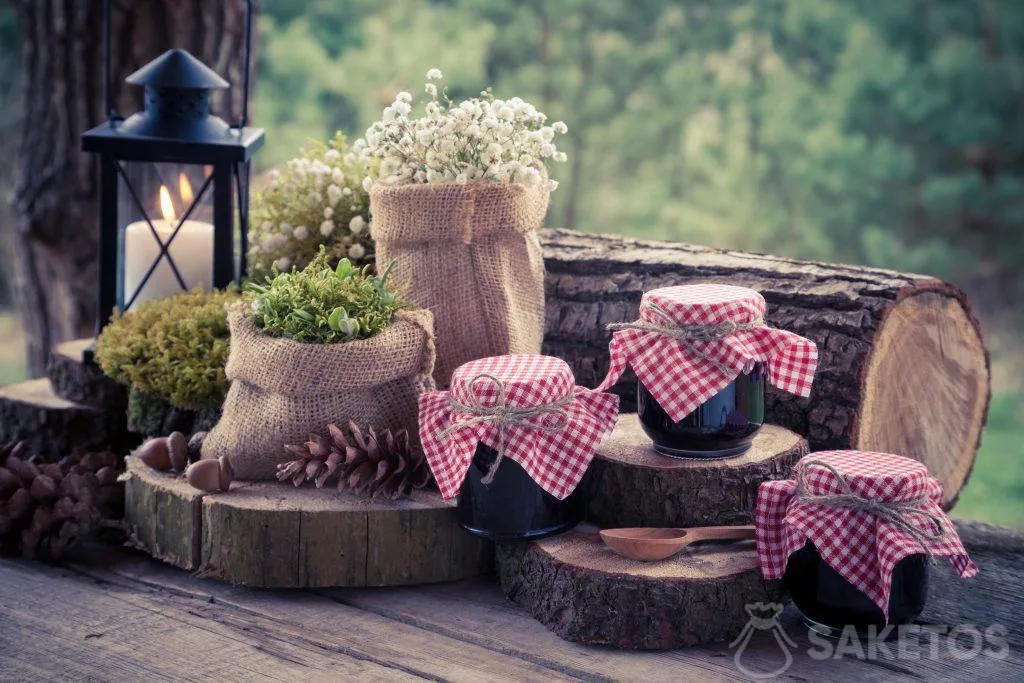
column 80, row 382
column 273, row 535
column 54, row 427
column 585, row 593
column 164, row 514
column 631, row 484
column 902, row 365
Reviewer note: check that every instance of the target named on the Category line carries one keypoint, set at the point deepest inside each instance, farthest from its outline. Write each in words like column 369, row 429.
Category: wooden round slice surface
column 586, row 593
column 273, row 535
column 632, row 485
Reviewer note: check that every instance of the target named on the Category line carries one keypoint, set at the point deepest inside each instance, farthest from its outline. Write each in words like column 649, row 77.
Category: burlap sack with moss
column 281, row 390
column 469, row 254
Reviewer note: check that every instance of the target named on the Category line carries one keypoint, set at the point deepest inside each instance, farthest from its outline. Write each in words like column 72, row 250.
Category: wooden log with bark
column 584, row 592
column 630, row 484
column 902, row 366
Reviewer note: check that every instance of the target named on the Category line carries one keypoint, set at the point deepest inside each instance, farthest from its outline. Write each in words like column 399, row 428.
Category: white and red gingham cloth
column 556, row 458
column 681, row 379
column 861, row 546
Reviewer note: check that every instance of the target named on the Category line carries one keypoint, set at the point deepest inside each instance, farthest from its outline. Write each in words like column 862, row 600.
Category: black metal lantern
column 173, row 183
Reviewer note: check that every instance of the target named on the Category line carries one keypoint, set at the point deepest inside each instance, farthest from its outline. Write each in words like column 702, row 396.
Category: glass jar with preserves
column 702, row 356
column 850, row 535
column 513, row 438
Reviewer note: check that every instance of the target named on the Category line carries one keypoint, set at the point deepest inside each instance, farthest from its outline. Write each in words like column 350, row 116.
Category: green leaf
column 344, row 269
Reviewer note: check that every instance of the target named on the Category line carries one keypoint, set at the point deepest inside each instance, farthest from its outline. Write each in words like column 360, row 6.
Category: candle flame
column 185, row 188
column 166, row 207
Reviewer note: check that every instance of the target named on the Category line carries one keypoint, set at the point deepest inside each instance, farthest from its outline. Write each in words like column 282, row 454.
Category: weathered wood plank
column 459, row 631
column 307, row 620
column 58, row 624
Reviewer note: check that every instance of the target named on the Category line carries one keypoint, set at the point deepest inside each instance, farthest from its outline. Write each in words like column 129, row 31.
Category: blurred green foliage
column 850, row 130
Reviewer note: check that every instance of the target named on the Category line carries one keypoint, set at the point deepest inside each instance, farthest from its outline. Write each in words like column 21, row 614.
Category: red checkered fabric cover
column 556, row 458
column 861, row 546
column 680, row 379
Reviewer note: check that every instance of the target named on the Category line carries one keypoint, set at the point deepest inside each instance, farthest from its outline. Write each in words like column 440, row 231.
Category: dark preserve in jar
column 513, row 507
column 722, row 426
column 829, row 602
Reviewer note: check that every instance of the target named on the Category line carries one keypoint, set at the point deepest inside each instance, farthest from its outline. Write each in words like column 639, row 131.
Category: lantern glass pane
column 164, row 203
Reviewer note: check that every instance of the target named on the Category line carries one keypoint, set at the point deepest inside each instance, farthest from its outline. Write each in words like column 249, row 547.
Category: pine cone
column 48, row 507
column 385, row 464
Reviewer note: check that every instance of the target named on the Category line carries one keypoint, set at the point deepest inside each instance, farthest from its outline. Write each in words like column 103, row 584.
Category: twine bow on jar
column 505, row 416
column 688, row 334
column 893, row 512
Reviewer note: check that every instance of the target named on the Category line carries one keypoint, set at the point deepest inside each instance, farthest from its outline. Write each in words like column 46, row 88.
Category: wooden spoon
column 652, row 543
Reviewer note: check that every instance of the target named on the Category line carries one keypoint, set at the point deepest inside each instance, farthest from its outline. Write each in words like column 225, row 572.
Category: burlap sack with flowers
column 283, row 390
column 469, row 254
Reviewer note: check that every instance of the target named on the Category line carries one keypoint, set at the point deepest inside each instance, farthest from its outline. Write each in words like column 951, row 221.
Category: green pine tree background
column 888, row 133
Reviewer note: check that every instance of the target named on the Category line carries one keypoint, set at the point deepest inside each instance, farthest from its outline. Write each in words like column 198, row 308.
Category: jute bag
column 470, row 254
column 282, row 390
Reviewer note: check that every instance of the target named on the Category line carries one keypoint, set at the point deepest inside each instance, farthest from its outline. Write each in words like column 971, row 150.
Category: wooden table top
column 116, row 614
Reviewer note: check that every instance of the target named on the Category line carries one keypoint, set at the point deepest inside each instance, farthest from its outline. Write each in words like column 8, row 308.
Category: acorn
column 210, row 475
column 177, row 449
column 155, row 453
column 227, row 473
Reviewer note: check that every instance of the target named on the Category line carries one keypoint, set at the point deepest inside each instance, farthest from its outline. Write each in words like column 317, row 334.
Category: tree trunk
column 902, row 366
column 55, row 228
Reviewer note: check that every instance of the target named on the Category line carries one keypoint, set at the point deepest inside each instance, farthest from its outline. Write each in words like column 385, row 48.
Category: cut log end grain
column 273, row 535
column 902, row 365
column 630, row 484
column 585, row 593
column 926, row 388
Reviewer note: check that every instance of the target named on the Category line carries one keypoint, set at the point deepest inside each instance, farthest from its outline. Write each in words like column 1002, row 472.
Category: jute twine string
column 505, row 416
column 893, row 512
column 687, row 334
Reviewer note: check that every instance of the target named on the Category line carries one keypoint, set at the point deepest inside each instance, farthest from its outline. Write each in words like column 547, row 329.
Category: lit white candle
column 192, row 251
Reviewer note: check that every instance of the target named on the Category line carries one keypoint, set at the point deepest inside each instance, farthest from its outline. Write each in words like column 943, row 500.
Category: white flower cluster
column 480, row 139
column 315, row 199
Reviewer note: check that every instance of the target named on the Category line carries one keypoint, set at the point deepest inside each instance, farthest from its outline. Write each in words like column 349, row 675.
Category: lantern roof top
column 177, row 69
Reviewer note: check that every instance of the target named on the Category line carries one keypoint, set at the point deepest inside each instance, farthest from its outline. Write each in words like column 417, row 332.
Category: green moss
column 173, row 348
column 321, row 305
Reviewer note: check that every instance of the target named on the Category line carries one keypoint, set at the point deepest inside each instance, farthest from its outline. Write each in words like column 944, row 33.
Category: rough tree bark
column 54, row 231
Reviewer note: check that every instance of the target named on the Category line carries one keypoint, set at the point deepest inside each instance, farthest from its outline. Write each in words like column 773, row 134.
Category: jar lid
column 525, row 406
column 863, row 511
column 704, row 304
column 529, row 380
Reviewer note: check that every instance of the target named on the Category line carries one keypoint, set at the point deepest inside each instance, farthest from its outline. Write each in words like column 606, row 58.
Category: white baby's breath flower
column 356, row 225
column 326, row 228
column 356, row 251
column 345, row 191
column 338, row 176
column 560, row 127
column 283, row 263
column 274, row 175
column 367, row 183
column 430, row 89
column 301, row 232
column 314, row 198
column 266, row 226
column 434, row 75
column 328, row 212
column 560, row 157
column 285, row 229
column 332, row 156
column 333, row 194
